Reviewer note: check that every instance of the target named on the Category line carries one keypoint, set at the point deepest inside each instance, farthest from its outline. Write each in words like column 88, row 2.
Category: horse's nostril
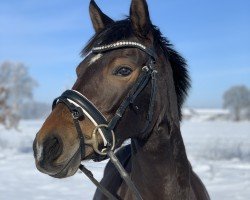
column 52, row 149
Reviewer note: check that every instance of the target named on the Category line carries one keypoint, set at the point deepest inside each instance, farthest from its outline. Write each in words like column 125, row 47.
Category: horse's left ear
column 98, row 18
column 140, row 19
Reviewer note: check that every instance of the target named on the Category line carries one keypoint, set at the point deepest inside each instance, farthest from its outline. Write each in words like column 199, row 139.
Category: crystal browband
column 119, row 44
column 125, row 44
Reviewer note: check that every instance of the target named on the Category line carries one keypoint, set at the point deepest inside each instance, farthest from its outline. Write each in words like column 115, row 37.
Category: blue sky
column 214, row 37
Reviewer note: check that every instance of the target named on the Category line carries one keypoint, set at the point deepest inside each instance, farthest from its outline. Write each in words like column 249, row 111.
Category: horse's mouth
column 72, row 165
column 70, row 168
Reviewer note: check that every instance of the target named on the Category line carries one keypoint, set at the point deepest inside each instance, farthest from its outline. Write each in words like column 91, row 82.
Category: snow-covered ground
column 194, row 114
column 218, row 151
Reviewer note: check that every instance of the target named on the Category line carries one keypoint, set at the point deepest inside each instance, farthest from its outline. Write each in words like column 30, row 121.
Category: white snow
column 219, row 152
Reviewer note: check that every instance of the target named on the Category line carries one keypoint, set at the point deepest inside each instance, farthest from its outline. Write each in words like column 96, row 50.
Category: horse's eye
column 123, row 71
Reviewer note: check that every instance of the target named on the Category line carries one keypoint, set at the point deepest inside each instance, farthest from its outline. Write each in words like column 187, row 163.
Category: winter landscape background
column 40, row 42
column 218, row 150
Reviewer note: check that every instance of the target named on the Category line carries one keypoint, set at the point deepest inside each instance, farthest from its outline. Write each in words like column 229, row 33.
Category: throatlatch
column 80, row 106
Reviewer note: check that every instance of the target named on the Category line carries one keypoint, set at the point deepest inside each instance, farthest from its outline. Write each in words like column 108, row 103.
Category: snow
column 218, row 150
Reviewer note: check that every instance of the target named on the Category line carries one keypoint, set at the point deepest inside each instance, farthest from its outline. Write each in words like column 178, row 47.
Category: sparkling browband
column 124, row 44
column 119, row 44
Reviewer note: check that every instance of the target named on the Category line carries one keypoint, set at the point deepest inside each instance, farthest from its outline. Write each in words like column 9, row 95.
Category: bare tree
column 237, row 99
column 3, row 104
column 18, row 85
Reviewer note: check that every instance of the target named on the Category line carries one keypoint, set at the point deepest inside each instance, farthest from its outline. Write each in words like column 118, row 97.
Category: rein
column 80, row 106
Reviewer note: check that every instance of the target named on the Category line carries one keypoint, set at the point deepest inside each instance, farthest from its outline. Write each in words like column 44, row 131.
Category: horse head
column 119, row 54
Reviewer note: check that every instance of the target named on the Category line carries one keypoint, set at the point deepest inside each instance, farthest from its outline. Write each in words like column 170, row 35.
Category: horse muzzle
column 48, row 158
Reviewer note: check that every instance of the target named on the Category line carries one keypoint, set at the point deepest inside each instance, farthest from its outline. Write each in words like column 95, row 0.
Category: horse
column 131, row 85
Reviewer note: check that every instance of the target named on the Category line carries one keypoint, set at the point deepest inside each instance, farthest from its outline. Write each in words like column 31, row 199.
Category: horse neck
column 160, row 166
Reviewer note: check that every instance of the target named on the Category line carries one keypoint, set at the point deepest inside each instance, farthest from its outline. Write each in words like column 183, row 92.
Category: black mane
column 122, row 30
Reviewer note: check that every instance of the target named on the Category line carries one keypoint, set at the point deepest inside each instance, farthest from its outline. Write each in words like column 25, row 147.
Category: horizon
column 48, row 36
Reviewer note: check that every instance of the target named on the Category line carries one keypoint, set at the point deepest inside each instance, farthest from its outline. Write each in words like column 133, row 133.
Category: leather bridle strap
column 73, row 100
column 96, row 183
column 151, row 101
column 134, row 92
column 77, row 114
column 148, row 72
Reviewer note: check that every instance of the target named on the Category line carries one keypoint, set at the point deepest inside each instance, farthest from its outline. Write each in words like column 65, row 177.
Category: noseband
column 80, row 107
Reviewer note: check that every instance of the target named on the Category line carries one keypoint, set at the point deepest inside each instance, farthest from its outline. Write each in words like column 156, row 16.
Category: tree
column 3, row 104
column 18, row 87
column 237, row 100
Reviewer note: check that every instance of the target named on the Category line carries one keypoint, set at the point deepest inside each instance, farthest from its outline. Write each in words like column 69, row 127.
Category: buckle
column 94, row 141
column 77, row 113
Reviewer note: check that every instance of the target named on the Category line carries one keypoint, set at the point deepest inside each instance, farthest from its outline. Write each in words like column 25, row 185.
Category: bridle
column 80, row 106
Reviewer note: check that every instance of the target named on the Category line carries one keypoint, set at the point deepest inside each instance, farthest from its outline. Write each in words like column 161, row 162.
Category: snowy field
column 218, row 151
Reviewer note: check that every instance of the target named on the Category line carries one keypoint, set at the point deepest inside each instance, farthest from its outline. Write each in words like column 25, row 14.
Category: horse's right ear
column 98, row 18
